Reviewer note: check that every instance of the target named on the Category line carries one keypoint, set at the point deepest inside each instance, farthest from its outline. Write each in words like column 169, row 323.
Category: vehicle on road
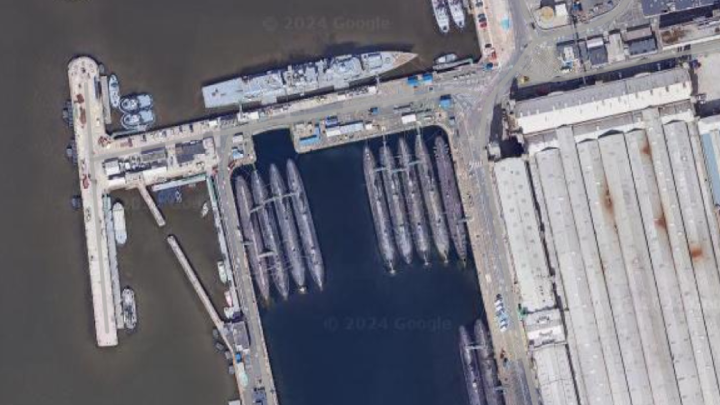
column 501, row 313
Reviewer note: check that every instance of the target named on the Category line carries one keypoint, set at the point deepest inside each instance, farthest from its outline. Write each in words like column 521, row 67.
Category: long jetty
column 209, row 308
column 195, row 282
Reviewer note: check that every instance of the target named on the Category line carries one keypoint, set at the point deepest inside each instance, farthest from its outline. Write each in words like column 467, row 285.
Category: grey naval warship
column 335, row 73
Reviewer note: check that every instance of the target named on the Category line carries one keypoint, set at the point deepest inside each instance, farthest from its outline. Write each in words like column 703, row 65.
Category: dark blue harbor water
column 368, row 338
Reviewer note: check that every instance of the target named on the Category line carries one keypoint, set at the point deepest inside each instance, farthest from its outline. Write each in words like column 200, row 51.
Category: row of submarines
column 279, row 232
column 404, row 197
column 479, row 367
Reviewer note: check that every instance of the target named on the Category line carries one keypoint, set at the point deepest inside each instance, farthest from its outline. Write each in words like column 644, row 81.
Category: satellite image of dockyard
column 315, row 202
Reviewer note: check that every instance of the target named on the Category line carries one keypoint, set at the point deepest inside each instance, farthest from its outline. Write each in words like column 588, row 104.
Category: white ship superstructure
column 297, row 80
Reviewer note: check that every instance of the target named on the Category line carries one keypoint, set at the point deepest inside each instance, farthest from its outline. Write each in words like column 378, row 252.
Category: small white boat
column 114, row 91
column 204, row 210
column 129, row 309
column 140, row 120
column 136, row 102
column 446, row 58
column 118, row 214
column 222, row 272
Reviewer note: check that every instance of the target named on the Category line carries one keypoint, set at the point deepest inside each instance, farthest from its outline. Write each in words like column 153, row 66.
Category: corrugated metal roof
column 601, row 207
column 658, row 241
column 554, row 376
column 681, row 257
column 526, row 247
column 711, row 150
column 574, row 278
column 624, row 204
column 603, row 100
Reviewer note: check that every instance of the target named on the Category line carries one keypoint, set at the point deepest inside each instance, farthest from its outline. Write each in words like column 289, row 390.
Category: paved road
column 474, row 116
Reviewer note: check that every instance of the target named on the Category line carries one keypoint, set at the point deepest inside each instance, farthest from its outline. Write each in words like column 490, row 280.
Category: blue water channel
column 369, row 337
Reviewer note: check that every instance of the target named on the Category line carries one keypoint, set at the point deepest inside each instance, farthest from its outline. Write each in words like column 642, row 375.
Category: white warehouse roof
column 521, row 222
column 603, row 100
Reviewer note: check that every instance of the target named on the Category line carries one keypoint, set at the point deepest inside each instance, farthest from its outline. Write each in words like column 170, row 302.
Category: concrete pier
column 83, row 75
column 154, row 210
column 259, row 369
column 222, row 240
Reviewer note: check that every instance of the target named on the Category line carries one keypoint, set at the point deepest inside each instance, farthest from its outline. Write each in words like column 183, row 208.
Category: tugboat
column 457, row 12
column 441, row 15
column 114, row 91
column 136, row 102
column 139, row 121
column 129, row 309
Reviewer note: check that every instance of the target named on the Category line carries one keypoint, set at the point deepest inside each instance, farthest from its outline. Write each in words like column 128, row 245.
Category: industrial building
column 657, row 7
column 618, row 190
column 699, row 30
